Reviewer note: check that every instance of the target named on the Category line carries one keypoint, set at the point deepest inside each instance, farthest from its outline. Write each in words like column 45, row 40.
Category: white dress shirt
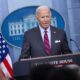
column 48, row 32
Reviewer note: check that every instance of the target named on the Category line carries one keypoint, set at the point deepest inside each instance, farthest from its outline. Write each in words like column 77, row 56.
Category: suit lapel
column 39, row 37
column 53, row 37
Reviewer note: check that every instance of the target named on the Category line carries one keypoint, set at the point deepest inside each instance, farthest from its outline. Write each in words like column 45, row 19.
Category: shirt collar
column 42, row 30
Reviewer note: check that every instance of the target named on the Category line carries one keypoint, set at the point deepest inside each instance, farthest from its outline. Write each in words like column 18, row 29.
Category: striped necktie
column 46, row 43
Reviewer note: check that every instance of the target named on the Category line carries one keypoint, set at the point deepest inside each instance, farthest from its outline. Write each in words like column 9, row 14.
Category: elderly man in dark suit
column 45, row 39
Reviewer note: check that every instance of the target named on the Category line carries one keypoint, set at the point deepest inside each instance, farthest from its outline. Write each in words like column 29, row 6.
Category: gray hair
column 42, row 7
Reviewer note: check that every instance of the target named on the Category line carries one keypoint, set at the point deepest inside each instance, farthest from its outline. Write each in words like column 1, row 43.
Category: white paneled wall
column 74, row 22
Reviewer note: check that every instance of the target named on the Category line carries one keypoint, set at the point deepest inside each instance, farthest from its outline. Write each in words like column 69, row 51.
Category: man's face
column 44, row 18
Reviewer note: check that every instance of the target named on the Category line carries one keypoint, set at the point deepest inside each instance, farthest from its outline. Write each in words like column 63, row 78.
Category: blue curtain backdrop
column 68, row 9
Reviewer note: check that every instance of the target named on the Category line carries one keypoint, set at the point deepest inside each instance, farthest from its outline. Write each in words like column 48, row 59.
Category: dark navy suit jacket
column 33, row 44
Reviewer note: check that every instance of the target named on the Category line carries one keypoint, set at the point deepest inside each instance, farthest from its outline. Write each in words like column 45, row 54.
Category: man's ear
column 36, row 17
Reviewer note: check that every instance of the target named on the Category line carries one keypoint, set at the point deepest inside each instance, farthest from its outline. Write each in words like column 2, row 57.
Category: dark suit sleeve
column 25, row 52
column 65, row 48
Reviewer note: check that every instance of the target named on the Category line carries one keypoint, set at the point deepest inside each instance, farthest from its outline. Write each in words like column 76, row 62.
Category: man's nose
column 45, row 18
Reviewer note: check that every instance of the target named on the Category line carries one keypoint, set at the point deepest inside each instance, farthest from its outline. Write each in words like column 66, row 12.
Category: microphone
column 75, row 44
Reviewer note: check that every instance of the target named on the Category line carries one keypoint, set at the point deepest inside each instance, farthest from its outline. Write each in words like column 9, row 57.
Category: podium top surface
column 46, row 57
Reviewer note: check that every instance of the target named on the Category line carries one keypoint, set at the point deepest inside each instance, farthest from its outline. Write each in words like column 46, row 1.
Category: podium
column 23, row 67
